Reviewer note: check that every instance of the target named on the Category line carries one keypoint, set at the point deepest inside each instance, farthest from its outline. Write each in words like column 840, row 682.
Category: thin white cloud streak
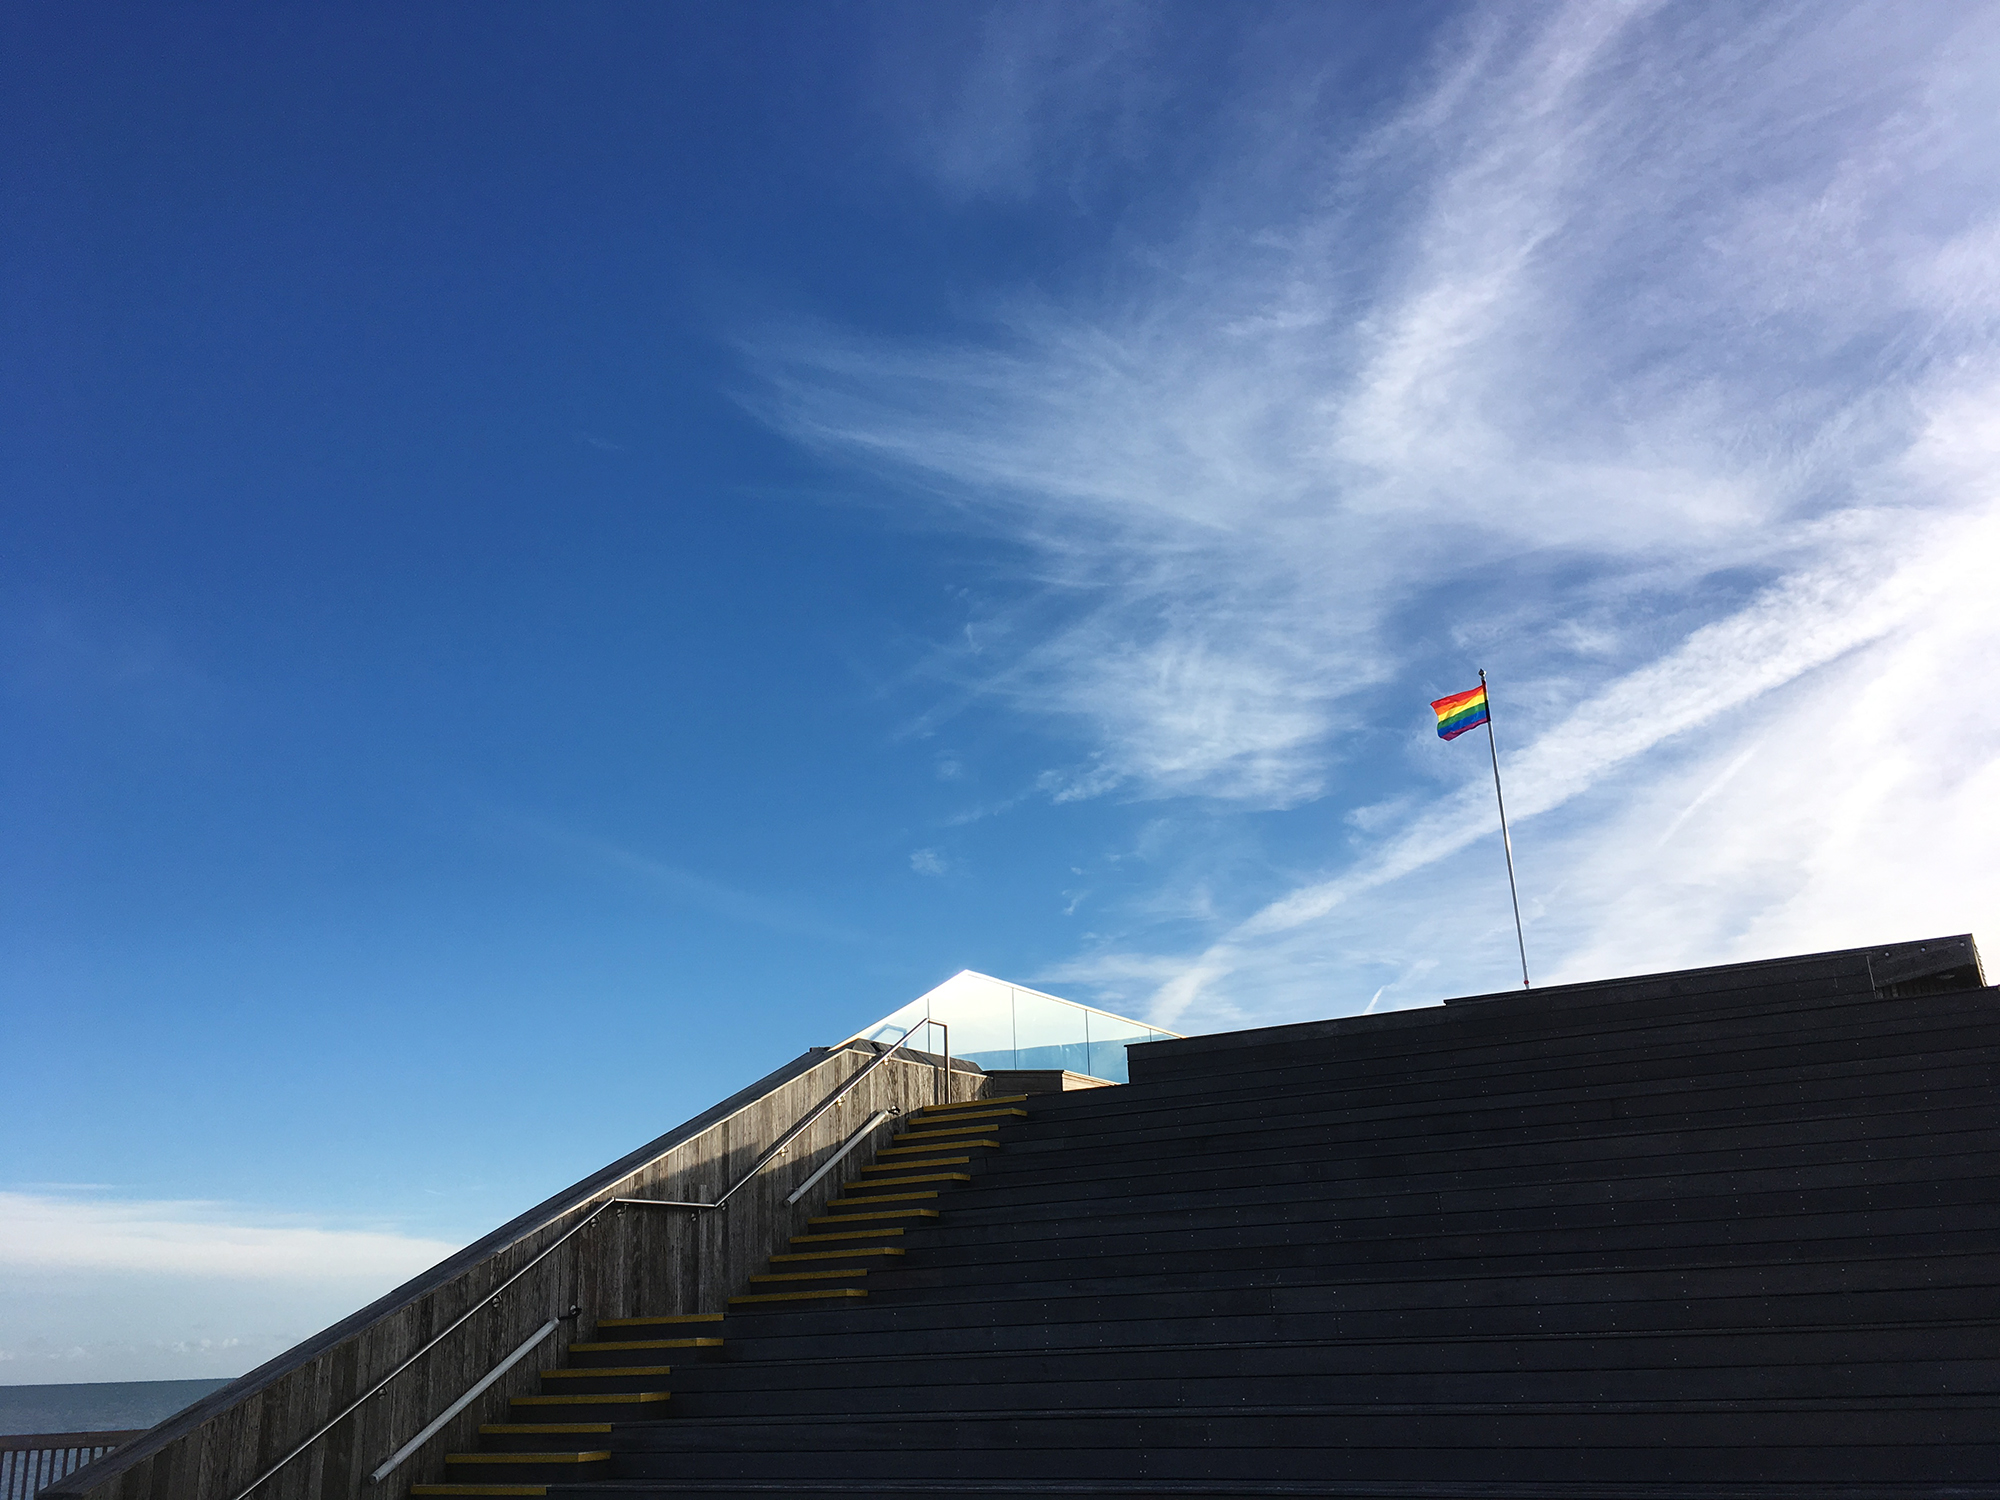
column 97, row 1288
column 39, row 1232
column 1043, row 77
column 1624, row 307
column 684, row 887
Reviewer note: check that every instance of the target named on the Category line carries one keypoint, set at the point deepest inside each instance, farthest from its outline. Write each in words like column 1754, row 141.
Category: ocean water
column 98, row 1406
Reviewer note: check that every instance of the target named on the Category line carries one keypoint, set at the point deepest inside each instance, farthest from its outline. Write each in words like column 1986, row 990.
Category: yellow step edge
column 634, row 1345
column 847, row 1275
column 939, row 1122
column 952, row 1144
column 955, row 1145
column 479, row 1489
column 540, row 1429
column 843, row 1254
column 858, row 1234
column 649, row 1322
column 633, row 1398
column 910, row 1181
column 594, row 1456
column 621, row 1371
column 898, row 1213
column 997, row 1099
column 907, row 1166
column 878, row 1198
column 800, row 1296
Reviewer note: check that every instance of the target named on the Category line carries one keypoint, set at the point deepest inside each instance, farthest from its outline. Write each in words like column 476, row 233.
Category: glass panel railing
column 1109, row 1037
column 1050, row 1033
column 980, row 1013
column 1001, row 1026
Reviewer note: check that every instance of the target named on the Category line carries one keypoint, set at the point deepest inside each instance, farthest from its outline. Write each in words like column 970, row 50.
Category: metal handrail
column 839, row 1156
column 491, row 1297
column 793, row 1134
column 439, row 1422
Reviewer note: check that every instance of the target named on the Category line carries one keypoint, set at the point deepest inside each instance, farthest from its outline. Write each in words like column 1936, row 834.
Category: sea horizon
column 97, row 1405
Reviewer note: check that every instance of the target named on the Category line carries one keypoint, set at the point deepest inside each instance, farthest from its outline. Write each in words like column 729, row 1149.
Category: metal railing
column 31, row 1461
column 770, row 1155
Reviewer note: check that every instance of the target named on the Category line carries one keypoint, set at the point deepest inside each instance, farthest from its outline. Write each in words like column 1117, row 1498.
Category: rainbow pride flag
column 1460, row 712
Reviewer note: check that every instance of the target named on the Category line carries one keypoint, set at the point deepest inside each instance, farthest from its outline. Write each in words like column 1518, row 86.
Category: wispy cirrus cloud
column 1649, row 346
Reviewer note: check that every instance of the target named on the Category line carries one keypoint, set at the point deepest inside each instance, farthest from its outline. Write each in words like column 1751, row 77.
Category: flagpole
column 1506, row 842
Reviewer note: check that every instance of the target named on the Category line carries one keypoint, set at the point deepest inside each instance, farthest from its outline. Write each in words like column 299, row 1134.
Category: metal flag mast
column 1506, row 840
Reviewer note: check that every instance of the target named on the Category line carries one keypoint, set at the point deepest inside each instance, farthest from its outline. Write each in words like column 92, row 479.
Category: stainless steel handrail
column 487, row 1301
column 793, row 1134
column 839, row 1156
column 479, row 1388
column 437, row 1338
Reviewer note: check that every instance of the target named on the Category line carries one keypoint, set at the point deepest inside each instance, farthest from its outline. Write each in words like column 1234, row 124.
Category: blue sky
column 553, row 558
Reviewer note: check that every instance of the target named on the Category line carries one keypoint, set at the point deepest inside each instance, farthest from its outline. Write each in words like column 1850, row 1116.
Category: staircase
column 1740, row 1239
column 559, row 1437
column 867, row 1224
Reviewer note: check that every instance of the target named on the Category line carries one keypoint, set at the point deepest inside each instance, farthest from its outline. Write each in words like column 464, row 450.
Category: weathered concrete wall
column 631, row 1262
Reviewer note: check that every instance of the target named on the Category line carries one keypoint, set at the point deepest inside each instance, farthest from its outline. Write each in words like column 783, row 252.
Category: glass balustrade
column 1000, row 1025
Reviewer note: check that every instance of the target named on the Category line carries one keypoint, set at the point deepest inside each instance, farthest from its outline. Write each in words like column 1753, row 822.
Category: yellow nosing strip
column 799, row 1296
column 911, row 1166
column 997, row 1099
column 590, row 1372
column 541, row 1429
column 844, row 1254
column 601, row 1398
column 899, row 1213
column 635, row 1345
column 858, row 1234
column 971, row 1114
column 911, row 1181
column 878, row 1198
column 847, row 1275
column 945, row 1141
column 952, row 1145
column 648, row 1322
column 949, row 1143
column 597, row 1456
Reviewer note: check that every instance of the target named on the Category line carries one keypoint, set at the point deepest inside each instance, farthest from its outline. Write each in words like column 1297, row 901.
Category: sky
column 554, row 557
